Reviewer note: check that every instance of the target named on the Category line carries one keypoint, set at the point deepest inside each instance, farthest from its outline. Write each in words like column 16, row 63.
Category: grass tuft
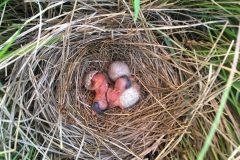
column 223, row 102
column 182, row 53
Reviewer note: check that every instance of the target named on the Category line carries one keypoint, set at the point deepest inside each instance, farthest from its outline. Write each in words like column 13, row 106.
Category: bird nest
column 58, row 105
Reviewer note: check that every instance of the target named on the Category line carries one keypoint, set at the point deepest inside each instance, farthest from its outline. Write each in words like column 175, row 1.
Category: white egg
column 130, row 96
column 118, row 69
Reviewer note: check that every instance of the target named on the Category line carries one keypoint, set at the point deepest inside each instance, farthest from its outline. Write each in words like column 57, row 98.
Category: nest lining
column 55, row 94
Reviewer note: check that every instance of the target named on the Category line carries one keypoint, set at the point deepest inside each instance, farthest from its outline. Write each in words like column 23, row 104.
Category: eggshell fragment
column 88, row 79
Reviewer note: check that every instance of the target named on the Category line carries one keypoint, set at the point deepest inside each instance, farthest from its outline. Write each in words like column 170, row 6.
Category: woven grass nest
column 54, row 94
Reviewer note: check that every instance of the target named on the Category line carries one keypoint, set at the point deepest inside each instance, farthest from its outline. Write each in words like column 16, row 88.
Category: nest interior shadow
column 54, row 92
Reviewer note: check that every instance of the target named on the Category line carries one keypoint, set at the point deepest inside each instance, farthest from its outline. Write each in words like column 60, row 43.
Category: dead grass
column 45, row 105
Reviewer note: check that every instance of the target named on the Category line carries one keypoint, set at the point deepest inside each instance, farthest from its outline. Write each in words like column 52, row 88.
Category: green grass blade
column 3, row 3
column 224, row 99
column 9, row 43
column 30, row 47
column 12, row 39
column 136, row 6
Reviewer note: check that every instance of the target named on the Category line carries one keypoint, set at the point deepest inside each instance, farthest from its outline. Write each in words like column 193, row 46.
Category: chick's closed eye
column 97, row 109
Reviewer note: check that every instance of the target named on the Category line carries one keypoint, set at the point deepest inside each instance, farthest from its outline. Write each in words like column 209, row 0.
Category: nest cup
column 54, row 92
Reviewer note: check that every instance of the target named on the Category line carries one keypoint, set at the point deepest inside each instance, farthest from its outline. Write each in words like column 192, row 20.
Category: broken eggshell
column 88, row 79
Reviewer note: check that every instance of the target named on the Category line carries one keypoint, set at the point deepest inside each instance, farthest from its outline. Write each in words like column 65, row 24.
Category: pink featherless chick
column 97, row 81
column 126, row 92
column 120, row 86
